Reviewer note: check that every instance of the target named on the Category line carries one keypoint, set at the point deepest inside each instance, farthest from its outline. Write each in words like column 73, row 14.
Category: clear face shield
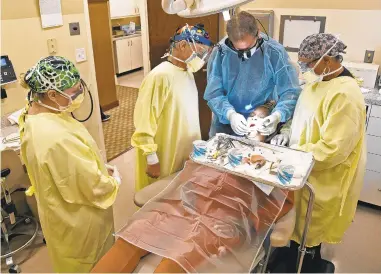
column 199, row 57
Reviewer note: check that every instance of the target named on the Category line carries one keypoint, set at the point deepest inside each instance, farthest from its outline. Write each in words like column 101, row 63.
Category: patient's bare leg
column 169, row 266
column 123, row 257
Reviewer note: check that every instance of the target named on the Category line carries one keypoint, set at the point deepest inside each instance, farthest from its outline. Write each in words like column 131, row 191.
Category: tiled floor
column 359, row 252
column 132, row 80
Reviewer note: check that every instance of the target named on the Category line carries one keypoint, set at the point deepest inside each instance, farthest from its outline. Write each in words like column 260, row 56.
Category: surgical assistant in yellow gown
column 329, row 121
column 166, row 119
column 73, row 189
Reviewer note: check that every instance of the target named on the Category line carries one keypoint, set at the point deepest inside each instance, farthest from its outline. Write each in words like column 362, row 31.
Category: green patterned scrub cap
column 52, row 73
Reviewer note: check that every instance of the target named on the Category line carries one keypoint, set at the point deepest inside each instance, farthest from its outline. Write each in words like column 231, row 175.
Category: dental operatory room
column 190, row 136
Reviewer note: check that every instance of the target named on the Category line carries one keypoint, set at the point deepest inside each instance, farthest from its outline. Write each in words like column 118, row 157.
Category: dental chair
column 279, row 237
column 18, row 229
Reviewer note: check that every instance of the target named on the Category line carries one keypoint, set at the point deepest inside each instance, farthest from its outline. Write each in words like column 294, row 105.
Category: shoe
column 106, row 117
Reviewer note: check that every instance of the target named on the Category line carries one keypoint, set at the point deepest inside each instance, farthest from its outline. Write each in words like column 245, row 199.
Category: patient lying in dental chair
column 206, row 220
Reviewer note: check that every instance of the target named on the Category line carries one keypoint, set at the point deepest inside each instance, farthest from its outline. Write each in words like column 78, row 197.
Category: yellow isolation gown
column 166, row 119
column 73, row 189
column 329, row 121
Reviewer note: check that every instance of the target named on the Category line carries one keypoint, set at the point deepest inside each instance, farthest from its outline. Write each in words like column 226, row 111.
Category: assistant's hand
column 238, row 123
column 153, row 171
column 110, row 169
column 270, row 124
column 280, row 139
column 114, row 172
column 153, row 166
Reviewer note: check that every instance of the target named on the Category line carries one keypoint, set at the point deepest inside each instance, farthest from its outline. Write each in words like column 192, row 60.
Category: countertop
column 127, row 36
column 373, row 97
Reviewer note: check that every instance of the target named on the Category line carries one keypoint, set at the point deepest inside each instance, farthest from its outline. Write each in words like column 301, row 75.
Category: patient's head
column 255, row 119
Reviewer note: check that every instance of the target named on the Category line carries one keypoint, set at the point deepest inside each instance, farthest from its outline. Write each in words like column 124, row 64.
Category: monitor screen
column 3, row 62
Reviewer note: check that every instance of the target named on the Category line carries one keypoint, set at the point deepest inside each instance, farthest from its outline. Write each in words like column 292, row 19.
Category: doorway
column 116, row 39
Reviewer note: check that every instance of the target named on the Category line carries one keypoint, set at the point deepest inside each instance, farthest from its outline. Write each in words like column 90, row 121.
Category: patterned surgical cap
column 316, row 45
column 52, row 73
column 197, row 33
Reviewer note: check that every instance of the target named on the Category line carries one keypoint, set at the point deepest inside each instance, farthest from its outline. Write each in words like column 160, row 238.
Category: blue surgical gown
column 242, row 86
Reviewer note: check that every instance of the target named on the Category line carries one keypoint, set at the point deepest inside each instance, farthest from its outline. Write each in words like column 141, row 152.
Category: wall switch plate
column 369, row 55
column 52, row 46
column 74, row 28
column 80, row 55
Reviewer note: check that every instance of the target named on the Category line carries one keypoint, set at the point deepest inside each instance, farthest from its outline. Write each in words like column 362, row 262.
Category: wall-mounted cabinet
column 128, row 54
column 123, row 8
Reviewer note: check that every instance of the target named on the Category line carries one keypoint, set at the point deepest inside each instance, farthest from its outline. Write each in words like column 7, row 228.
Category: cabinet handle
column 379, row 189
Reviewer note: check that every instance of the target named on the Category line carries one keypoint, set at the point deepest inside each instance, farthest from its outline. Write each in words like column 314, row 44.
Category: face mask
column 312, row 78
column 194, row 63
column 76, row 103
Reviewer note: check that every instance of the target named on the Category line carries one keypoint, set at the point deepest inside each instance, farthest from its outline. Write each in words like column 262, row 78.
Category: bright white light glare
column 226, row 15
column 247, row 107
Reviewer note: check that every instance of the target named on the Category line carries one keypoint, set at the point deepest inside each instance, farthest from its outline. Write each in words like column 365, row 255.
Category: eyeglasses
column 78, row 92
column 306, row 66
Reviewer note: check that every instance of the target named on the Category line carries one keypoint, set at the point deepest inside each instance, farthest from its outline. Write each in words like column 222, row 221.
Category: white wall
column 360, row 29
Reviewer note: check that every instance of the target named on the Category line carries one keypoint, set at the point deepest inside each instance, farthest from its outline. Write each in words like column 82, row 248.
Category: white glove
column 296, row 147
column 152, row 159
column 238, row 123
column 115, row 174
column 270, row 124
column 280, row 139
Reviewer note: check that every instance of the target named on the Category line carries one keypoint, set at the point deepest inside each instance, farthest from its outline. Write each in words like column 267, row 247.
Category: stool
column 13, row 226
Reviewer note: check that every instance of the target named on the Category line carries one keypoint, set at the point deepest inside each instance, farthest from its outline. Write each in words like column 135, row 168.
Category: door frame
column 145, row 35
column 92, row 84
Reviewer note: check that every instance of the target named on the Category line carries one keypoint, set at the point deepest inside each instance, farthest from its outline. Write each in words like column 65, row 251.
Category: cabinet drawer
column 371, row 190
column 373, row 144
column 376, row 111
column 373, row 162
column 374, row 126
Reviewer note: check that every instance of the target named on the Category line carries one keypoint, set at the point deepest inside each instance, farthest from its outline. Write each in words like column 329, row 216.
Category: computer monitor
column 8, row 74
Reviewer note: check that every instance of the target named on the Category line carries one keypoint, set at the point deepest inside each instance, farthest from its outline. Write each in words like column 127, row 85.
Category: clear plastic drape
column 207, row 221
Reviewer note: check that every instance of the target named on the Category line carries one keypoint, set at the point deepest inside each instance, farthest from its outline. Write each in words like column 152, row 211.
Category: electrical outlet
column 369, row 55
column 80, row 55
column 74, row 28
column 52, row 46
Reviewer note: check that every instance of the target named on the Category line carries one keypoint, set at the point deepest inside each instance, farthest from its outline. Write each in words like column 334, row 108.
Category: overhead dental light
column 198, row 8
